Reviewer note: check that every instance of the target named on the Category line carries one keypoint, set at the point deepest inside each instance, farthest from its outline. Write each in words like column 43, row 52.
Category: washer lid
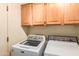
column 31, row 43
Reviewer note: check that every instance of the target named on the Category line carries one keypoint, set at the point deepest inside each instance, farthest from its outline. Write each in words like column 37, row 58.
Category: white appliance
column 62, row 46
column 33, row 46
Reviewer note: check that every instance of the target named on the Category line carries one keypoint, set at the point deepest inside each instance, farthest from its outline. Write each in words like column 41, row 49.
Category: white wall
column 15, row 31
column 68, row 30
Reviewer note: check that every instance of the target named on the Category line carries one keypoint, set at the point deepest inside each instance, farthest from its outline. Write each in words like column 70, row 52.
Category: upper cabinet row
column 40, row 14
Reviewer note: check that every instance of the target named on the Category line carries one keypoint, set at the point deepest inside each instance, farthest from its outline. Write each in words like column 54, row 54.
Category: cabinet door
column 3, row 30
column 26, row 14
column 71, row 13
column 54, row 14
column 38, row 14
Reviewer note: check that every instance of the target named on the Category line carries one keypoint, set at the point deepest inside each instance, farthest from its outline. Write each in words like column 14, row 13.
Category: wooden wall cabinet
column 26, row 14
column 71, row 13
column 38, row 14
column 53, row 14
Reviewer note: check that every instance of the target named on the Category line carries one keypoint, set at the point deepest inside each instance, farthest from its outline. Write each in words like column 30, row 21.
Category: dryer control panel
column 63, row 38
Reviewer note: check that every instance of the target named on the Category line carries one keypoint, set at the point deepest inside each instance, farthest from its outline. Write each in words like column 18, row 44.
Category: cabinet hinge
column 7, row 39
column 7, row 8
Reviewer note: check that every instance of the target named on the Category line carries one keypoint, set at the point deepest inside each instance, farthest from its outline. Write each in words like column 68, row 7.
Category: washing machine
column 34, row 45
column 62, row 46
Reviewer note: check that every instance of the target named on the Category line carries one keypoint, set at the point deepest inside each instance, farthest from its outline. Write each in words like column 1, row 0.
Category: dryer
column 62, row 46
column 33, row 46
